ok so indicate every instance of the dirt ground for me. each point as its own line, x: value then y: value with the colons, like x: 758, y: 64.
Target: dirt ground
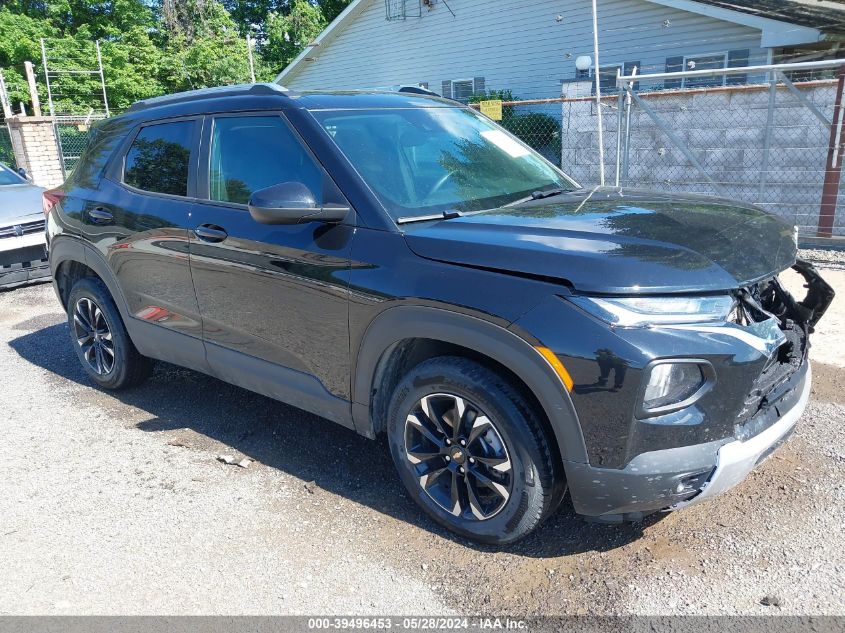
x: 117, y: 504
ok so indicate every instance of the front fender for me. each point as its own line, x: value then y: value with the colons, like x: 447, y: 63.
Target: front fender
x: 407, y: 322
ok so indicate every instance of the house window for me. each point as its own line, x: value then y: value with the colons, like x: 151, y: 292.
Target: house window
x: 607, y: 77
x: 462, y: 90
x: 705, y: 62
x: 609, y: 72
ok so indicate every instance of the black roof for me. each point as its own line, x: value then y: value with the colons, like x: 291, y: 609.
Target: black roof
x: 828, y: 16
x: 246, y: 97
x: 220, y: 92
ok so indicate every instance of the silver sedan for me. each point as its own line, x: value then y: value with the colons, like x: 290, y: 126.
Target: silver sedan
x: 23, y: 253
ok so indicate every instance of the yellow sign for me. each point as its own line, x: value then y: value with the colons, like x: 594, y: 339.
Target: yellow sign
x: 493, y: 109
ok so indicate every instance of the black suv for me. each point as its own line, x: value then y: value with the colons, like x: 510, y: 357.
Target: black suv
x: 400, y: 264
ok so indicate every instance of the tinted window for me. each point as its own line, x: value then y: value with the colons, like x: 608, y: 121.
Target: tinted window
x: 159, y: 157
x: 253, y: 152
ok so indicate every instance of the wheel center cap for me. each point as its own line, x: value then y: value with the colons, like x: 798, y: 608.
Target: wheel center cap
x: 458, y: 454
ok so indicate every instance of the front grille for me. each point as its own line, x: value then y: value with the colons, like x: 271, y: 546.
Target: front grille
x: 25, y: 228
x: 23, y: 257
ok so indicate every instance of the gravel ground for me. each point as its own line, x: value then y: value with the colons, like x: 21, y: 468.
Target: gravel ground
x: 828, y: 257
x: 116, y: 504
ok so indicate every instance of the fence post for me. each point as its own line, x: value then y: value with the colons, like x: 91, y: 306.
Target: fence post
x: 833, y: 169
x: 619, y: 119
x: 628, y: 104
x: 767, y: 140
x: 597, y: 79
x: 36, y: 149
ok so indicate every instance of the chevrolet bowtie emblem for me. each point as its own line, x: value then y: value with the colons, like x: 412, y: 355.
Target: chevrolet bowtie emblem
x: 18, y: 230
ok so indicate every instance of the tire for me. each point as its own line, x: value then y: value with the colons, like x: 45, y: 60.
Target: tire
x: 106, y: 352
x: 508, y: 483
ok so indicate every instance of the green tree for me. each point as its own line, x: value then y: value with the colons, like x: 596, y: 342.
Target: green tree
x: 203, y: 48
x: 287, y: 35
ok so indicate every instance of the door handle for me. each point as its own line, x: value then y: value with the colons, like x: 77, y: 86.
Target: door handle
x: 211, y: 233
x: 99, y: 215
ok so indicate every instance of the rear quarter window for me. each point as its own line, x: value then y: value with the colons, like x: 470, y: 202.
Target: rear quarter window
x: 103, y: 140
x: 159, y: 158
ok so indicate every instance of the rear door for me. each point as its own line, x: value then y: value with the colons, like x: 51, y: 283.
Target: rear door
x: 139, y: 216
x: 273, y: 298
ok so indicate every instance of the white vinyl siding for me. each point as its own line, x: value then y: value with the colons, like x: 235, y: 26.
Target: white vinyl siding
x: 513, y: 45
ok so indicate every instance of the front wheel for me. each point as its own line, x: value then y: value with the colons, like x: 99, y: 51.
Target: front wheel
x: 471, y: 451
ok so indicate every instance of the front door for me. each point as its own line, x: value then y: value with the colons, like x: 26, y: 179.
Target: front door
x: 273, y: 298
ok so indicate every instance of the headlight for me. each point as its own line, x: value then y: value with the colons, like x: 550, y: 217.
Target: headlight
x: 674, y: 384
x: 642, y: 311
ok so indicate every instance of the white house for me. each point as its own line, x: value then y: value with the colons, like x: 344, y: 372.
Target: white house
x: 461, y: 47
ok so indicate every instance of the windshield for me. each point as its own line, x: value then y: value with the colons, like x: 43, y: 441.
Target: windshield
x: 429, y: 160
x: 8, y: 177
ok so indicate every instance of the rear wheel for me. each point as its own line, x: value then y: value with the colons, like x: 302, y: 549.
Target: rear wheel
x: 471, y: 451
x: 100, y: 339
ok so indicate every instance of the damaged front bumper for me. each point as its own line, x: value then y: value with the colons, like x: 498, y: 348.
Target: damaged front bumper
x: 677, y: 477
x: 735, y: 460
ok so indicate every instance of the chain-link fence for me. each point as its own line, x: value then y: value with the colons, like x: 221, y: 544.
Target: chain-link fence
x: 7, y: 154
x: 72, y: 134
x: 764, y: 143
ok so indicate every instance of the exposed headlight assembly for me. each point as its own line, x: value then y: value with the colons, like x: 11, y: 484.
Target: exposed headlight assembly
x: 644, y: 311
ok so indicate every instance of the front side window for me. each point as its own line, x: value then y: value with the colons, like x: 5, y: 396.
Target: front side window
x: 427, y: 160
x: 249, y: 153
x: 159, y: 158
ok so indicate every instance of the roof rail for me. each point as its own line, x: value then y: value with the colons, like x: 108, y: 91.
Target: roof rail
x: 211, y: 93
x: 418, y: 90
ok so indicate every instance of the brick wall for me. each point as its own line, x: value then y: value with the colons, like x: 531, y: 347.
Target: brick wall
x: 36, y: 149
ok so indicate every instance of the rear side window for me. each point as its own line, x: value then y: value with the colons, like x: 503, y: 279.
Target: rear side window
x: 253, y: 152
x: 159, y: 158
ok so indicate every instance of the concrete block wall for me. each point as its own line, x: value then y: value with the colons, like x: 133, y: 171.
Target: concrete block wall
x: 726, y: 131
x: 36, y: 149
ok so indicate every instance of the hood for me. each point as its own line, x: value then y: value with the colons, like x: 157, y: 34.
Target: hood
x: 19, y: 204
x: 618, y: 241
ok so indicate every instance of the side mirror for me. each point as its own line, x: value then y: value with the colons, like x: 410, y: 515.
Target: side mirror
x: 291, y: 203
x: 22, y: 173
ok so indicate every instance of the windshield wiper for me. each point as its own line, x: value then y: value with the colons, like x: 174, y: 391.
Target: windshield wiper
x: 538, y: 195
x: 443, y: 215
x: 548, y: 193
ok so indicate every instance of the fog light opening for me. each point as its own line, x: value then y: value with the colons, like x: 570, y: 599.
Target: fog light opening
x: 671, y: 385
x: 693, y: 483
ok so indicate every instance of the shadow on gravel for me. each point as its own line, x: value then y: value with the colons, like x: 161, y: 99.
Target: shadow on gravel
x: 306, y: 446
